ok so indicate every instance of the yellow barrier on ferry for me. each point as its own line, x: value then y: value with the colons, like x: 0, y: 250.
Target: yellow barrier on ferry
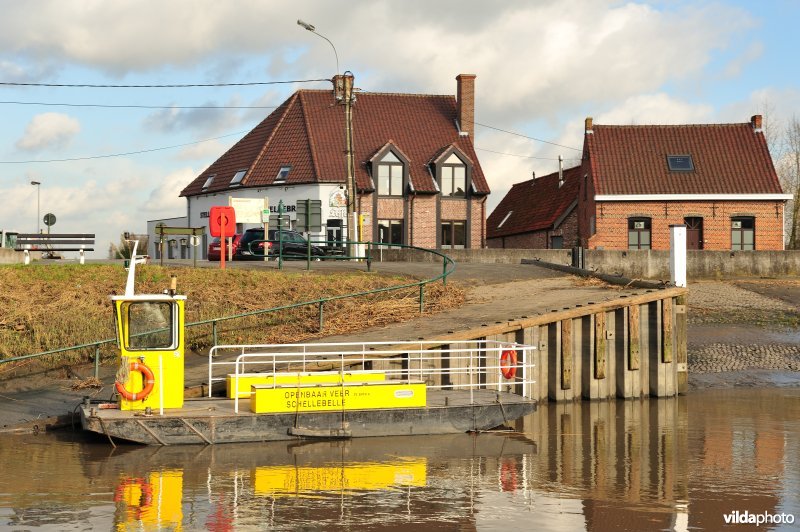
x: 347, y: 396
x: 247, y: 380
x: 300, y: 480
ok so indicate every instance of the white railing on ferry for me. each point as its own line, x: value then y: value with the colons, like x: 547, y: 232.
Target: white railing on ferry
x: 459, y: 364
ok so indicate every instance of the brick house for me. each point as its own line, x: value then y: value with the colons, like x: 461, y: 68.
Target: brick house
x: 417, y: 176
x: 717, y: 179
x: 539, y: 213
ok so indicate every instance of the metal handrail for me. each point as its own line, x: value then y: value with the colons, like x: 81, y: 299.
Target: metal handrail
x: 446, y: 261
x: 292, y: 358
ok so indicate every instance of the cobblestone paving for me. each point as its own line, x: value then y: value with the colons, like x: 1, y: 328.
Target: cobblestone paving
x: 716, y: 358
x: 750, y: 322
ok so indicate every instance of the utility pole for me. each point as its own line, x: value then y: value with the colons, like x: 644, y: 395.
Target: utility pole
x: 343, y: 94
x: 346, y: 94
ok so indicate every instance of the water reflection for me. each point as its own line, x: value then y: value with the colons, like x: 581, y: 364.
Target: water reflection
x: 670, y: 464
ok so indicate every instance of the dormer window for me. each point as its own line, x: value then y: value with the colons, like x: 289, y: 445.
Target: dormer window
x: 209, y: 181
x: 680, y: 163
x: 237, y: 178
x: 454, y: 177
x: 282, y: 173
x: 390, y: 175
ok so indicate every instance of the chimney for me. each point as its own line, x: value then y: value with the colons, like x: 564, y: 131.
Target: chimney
x: 560, y: 171
x: 465, y: 103
x: 755, y: 121
x: 589, y: 125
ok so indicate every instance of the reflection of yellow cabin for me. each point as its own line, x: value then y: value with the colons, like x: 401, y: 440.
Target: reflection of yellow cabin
x: 300, y: 480
x: 151, y: 503
x: 149, y: 331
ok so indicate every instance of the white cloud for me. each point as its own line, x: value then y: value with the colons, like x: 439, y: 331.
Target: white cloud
x: 164, y: 200
x: 48, y: 130
x: 735, y: 67
x: 207, y: 151
x: 208, y: 118
x: 655, y: 109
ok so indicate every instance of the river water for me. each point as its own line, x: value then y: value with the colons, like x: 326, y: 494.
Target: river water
x: 666, y: 464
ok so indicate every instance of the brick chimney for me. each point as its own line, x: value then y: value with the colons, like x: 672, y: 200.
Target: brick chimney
x: 465, y: 102
x: 589, y: 125
x: 755, y: 121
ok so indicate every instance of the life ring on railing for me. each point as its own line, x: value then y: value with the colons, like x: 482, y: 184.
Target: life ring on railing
x: 508, y: 363
x: 149, y: 382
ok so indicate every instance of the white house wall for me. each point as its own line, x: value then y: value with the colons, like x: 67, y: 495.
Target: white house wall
x: 198, y: 207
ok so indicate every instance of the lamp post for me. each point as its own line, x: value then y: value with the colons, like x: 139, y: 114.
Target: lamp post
x: 37, y: 184
x: 343, y: 93
x: 312, y: 29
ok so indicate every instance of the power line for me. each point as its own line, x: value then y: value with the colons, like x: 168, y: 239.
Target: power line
x: 111, y: 106
x: 525, y: 156
x: 528, y: 137
x: 167, y: 86
x: 110, y: 155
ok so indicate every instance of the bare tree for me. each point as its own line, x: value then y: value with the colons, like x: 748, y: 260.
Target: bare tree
x: 788, y: 167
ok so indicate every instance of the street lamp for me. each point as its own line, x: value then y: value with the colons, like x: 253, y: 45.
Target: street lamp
x: 38, y: 203
x: 312, y: 29
x: 343, y: 93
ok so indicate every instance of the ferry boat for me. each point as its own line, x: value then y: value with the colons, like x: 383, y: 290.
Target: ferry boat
x: 299, y: 391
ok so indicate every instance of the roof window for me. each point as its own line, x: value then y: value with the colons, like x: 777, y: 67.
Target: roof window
x: 237, y: 178
x: 209, y: 181
x: 505, y: 219
x: 680, y: 163
x: 282, y: 173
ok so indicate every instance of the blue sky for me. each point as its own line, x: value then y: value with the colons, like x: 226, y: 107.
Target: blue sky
x: 542, y: 68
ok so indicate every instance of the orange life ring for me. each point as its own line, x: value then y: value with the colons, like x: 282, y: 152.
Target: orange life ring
x: 149, y: 382
x: 508, y: 363
x: 146, y: 497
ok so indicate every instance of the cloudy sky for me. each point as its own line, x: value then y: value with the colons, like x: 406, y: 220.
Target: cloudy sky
x: 109, y: 159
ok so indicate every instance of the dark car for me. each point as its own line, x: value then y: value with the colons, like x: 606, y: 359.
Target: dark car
x: 294, y: 245
x: 214, y: 247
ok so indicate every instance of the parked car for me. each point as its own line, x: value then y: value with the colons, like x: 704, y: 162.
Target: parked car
x: 214, y: 247
x: 295, y: 246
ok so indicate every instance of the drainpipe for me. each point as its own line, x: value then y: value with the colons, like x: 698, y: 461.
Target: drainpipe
x: 411, y: 220
x: 483, y: 222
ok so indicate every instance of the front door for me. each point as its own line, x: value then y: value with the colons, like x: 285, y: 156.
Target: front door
x: 694, y: 232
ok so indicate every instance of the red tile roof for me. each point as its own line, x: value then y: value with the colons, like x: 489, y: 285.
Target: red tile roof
x: 308, y: 132
x: 728, y: 159
x: 534, y: 204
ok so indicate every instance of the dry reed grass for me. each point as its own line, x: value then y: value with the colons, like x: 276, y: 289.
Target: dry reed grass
x: 46, y: 307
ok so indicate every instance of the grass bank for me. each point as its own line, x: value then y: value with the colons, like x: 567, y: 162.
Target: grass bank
x: 44, y: 307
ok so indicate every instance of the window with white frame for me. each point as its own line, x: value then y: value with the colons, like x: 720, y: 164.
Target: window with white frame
x: 237, y: 178
x: 282, y: 173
